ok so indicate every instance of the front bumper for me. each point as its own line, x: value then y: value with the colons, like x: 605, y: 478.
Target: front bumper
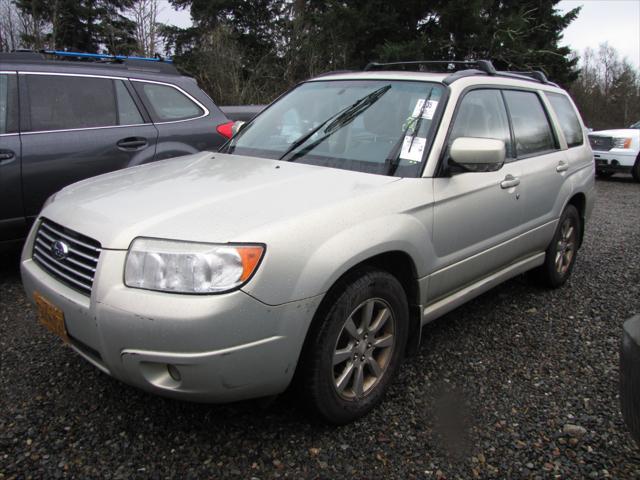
x: 615, y: 160
x: 224, y: 347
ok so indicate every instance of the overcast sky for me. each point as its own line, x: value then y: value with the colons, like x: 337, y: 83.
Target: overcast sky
x: 599, y: 21
x: 613, y: 21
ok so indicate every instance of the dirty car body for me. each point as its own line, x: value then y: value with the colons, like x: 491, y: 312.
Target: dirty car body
x: 314, y: 212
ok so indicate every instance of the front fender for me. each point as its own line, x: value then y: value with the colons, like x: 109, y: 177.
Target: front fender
x: 314, y: 272
x: 350, y: 247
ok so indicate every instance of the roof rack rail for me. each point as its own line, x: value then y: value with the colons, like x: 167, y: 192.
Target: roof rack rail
x: 535, y: 74
x: 332, y: 72
x: 449, y: 79
x: 141, y: 64
x: 462, y: 68
x: 104, y: 56
x: 484, y: 66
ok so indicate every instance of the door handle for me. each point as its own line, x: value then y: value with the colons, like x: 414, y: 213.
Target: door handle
x: 6, y: 156
x: 509, y: 182
x: 562, y: 166
x: 132, y: 143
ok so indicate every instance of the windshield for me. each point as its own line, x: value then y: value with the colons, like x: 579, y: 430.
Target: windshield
x: 374, y: 126
x: 635, y: 125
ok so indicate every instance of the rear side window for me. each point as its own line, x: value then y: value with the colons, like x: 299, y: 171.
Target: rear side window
x: 481, y: 114
x: 63, y: 102
x: 60, y: 102
x: 531, y: 127
x: 8, y: 104
x: 568, y: 119
x: 168, y: 103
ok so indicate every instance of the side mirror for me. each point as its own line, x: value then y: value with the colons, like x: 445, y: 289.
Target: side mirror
x: 478, y: 154
x: 237, y: 126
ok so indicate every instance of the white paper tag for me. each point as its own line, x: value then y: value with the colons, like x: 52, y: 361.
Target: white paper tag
x: 413, y: 151
x: 429, y: 110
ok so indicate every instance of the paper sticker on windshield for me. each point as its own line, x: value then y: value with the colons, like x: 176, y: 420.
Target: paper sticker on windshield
x: 428, y: 111
x: 412, y: 148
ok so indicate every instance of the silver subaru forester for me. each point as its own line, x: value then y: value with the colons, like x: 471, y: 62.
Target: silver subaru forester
x: 352, y: 211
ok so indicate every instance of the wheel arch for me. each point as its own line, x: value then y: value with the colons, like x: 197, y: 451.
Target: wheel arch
x: 579, y: 201
x: 395, y: 262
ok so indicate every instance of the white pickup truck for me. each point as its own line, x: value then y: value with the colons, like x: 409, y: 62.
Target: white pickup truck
x: 617, y: 151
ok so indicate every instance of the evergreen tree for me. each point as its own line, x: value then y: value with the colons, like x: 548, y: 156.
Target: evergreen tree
x: 84, y: 26
x: 284, y: 41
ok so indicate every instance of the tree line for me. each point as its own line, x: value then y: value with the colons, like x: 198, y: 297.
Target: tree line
x: 123, y: 27
x: 244, y: 51
x: 607, y: 90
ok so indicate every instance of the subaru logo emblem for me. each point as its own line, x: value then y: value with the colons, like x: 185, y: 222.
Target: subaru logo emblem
x: 60, y: 250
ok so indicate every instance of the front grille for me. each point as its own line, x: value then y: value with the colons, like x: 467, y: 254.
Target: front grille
x: 67, y: 255
x: 600, y: 143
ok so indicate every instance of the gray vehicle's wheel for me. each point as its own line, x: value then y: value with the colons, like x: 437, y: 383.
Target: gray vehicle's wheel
x: 635, y: 171
x: 630, y: 375
x: 562, y: 251
x: 355, y: 345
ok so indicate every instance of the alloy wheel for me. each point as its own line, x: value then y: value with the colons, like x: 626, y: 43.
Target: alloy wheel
x: 566, y: 247
x: 364, y: 349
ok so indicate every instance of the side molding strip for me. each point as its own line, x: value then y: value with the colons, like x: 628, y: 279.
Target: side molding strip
x: 439, y: 308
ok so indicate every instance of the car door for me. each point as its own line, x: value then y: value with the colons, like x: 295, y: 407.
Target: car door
x: 477, y: 215
x: 544, y: 166
x: 12, y: 223
x: 75, y: 127
x: 185, y: 124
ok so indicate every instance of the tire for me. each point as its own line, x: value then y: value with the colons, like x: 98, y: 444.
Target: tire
x: 339, y: 376
x: 562, y: 251
x: 635, y: 171
x: 604, y: 175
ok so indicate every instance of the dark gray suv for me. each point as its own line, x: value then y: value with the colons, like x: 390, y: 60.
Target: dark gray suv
x: 65, y: 120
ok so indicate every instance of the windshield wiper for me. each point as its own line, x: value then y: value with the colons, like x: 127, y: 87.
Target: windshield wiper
x: 338, y: 120
x: 393, y: 160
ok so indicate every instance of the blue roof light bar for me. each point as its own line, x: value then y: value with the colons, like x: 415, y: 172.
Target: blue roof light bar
x: 102, y: 56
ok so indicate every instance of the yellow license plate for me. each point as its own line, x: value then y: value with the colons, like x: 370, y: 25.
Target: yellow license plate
x: 50, y: 316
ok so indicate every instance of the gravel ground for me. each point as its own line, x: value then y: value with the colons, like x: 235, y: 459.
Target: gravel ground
x: 493, y: 392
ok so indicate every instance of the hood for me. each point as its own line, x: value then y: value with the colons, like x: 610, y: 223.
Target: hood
x: 621, y: 132
x: 205, y: 197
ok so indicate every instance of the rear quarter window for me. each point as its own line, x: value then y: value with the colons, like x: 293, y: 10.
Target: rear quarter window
x: 167, y: 103
x: 567, y: 117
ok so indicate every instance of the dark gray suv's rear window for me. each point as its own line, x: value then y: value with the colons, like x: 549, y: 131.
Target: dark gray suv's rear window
x: 568, y: 119
x: 168, y: 103
x: 62, y: 102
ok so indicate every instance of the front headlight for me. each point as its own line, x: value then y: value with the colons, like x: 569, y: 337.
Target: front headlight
x: 622, y: 142
x: 188, y: 267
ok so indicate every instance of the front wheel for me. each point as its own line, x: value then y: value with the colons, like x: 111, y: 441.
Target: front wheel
x: 562, y: 251
x: 356, y: 345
